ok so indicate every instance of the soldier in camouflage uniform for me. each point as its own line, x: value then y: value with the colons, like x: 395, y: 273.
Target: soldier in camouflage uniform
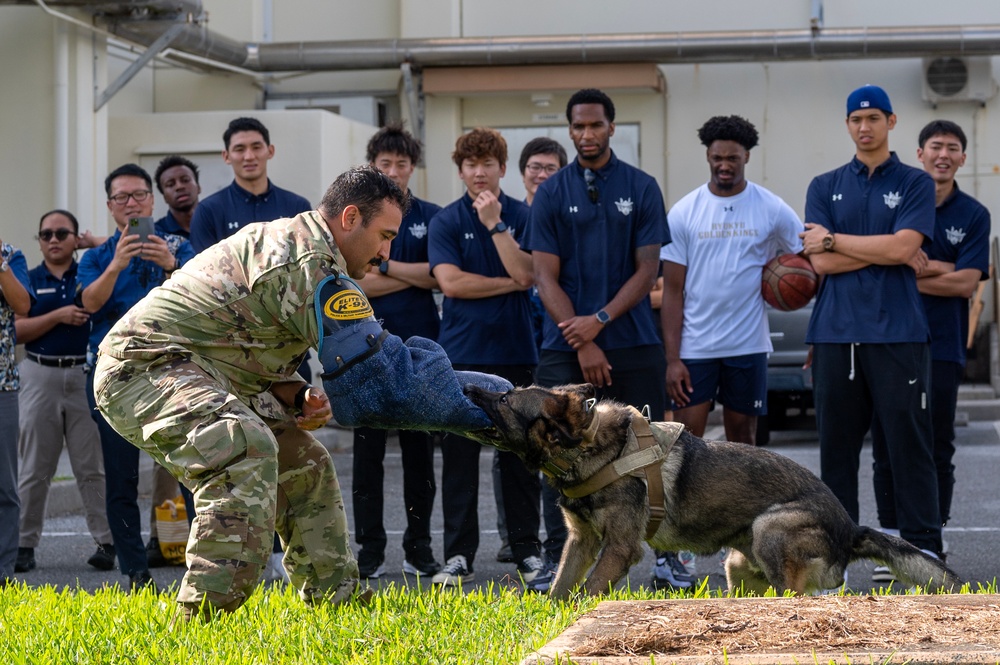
x: 201, y: 375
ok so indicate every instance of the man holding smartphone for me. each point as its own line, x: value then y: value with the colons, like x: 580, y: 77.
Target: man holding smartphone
x: 114, y: 277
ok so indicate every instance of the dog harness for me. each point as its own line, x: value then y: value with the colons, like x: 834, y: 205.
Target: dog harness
x: 644, y: 452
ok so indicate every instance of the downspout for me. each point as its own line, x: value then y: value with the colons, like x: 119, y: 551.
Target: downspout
x: 60, y: 94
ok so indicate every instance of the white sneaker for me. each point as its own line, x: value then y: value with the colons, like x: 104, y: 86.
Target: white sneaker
x: 275, y: 571
x: 455, y: 572
x: 882, y: 575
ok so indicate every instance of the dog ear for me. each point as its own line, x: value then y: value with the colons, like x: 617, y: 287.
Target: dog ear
x: 586, y: 390
x: 560, y: 413
x: 558, y: 435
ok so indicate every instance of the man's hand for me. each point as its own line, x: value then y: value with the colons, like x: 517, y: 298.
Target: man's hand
x: 86, y: 240
x: 594, y: 365
x: 155, y: 249
x: 919, y: 262
x: 812, y: 238
x: 315, y: 410
x: 128, y: 247
x: 580, y: 330
x: 488, y: 208
x: 679, y: 386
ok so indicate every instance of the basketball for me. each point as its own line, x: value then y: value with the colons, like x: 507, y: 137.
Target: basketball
x: 789, y: 282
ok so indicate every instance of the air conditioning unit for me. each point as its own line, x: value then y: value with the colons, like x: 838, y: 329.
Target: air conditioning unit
x: 951, y: 79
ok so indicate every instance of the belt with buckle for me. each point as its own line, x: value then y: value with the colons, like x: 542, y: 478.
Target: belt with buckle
x: 56, y: 361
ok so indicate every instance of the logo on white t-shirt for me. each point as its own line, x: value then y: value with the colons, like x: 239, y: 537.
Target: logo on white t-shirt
x: 624, y: 206
x: 892, y: 199
x: 954, y: 235
x: 418, y: 231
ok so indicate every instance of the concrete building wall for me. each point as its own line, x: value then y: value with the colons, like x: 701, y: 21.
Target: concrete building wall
x: 59, y: 151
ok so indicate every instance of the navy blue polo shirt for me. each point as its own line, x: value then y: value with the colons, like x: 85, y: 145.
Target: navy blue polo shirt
x: 483, y: 331
x: 962, y: 237
x: 876, y: 304
x: 168, y: 224
x: 52, y: 293
x: 411, y: 311
x: 228, y: 210
x: 596, y: 243
x: 132, y: 285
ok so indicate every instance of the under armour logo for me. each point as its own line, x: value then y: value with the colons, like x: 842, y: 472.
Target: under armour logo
x: 233, y: 225
x: 727, y: 208
x: 470, y: 236
x: 838, y: 197
x: 758, y: 404
x: 574, y: 209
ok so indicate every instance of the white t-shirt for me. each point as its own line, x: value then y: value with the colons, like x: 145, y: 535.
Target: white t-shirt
x: 725, y: 242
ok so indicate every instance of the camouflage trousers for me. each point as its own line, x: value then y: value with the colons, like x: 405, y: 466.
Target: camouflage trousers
x: 250, y: 477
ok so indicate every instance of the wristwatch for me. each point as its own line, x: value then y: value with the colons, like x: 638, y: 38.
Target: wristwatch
x: 384, y: 267
x: 603, y: 317
x: 499, y: 228
x: 829, y: 241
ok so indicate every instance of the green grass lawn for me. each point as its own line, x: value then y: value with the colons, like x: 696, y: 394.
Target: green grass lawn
x: 42, y: 626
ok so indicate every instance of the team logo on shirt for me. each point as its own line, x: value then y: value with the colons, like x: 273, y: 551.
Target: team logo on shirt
x: 624, y: 206
x: 419, y: 231
x: 892, y: 199
x: 954, y: 235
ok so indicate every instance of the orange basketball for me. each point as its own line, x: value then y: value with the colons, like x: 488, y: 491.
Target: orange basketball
x: 789, y: 282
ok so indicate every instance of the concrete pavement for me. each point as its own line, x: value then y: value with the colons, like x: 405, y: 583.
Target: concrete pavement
x: 973, y: 534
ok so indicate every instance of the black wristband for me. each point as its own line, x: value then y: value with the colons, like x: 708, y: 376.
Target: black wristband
x: 300, y: 397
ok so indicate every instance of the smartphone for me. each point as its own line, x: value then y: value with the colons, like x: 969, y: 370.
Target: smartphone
x: 143, y: 227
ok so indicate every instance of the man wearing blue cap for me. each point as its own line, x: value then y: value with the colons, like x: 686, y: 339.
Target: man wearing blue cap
x: 865, y: 223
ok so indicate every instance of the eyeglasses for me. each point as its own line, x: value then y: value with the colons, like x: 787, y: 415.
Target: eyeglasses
x: 60, y: 234
x: 592, y: 192
x: 138, y: 196
x: 534, y: 168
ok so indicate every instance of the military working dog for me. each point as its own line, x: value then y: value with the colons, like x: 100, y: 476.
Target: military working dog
x: 784, y: 528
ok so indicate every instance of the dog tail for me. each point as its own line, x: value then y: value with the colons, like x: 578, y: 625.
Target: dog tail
x: 907, y: 563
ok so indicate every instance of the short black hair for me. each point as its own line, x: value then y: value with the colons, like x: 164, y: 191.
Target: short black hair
x: 590, y: 96
x: 728, y: 128
x: 394, y: 139
x: 127, y: 169
x: 938, y: 127
x: 66, y: 213
x: 169, y: 162
x: 542, y: 145
x: 245, y: 125
x: 365, y: 187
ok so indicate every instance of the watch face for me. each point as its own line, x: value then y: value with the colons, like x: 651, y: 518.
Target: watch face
x: 603, y: 316
x: 827, y: 242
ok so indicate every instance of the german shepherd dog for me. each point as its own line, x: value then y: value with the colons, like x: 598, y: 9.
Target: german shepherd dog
x: 782, y: 525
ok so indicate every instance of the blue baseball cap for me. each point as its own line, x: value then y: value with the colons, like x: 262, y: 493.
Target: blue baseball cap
x: 868, y: 97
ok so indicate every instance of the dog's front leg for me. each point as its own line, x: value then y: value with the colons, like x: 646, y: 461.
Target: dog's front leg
x: 579, y: 553
x: 614, y: 562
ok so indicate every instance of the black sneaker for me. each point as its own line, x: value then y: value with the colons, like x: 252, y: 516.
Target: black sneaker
x: 154, y: 555
x: 103, y: 558
x: 504, y: 554
x: 140, y: 581
x: 25, y: 559
x: 420, y: 564
x: 370, y: 566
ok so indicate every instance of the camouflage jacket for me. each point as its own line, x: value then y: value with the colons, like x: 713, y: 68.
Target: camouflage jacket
x: 242, y: 310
